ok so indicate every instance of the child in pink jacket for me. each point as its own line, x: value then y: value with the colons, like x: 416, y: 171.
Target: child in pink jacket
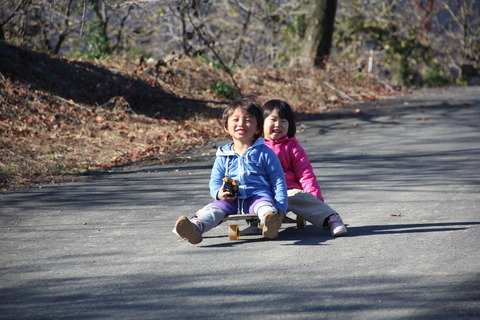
x: 304, y: 194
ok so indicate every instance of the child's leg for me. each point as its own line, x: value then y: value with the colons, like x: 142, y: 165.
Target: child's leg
x: 269, y: 218
x: 336, y: 225
x: 211, y: 216
x: 309, y: 207
x: 192, y: 229
x: 186, y: 229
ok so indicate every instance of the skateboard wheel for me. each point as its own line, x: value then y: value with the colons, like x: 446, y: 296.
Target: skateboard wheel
x: 301, y: 223
x: 233, y: 232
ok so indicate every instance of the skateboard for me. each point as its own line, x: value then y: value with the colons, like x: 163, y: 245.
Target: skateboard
x: 253, y: 222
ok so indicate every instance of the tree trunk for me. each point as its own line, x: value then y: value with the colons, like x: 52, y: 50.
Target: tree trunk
x: 2, y: 34
x: 317, y: 41
x: 65, y: 30
x: 101, y: 12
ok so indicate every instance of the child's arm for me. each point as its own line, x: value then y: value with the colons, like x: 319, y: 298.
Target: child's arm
x: 303, y: 170
x: 216, y: 182
x: 277, y: 178
x: 216, y: 176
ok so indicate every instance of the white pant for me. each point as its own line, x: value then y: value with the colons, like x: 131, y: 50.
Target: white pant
x: 309, y: 207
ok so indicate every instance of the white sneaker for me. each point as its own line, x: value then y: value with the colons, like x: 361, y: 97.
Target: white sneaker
x: 336, y: 225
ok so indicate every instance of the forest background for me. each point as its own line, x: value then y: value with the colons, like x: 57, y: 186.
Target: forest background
x: 87, y: 85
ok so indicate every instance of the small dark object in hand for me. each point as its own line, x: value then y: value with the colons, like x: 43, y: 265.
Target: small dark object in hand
x: 230, y: 185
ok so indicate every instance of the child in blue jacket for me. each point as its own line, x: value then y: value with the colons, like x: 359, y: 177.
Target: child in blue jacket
x: 262, y: 189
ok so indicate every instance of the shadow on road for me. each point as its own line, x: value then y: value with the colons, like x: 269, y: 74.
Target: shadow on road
x: 156, y: 296
x: 312, y: 236
x: 408, y: 228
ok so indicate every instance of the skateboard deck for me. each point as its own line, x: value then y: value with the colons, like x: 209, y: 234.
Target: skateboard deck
x: 253, y: 222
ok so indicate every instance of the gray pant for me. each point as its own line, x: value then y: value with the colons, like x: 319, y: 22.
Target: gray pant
x: 210, y: 216
x: 309, y: 207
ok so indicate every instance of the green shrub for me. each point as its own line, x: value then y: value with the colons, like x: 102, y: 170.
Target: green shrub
x: 223, y: 89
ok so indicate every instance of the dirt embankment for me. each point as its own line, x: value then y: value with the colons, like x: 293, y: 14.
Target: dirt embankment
x: 60, y: 118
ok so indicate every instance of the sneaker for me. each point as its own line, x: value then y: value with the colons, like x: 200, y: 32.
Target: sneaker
x: 187, y: 230
x: 272, y: 224
x: 336, y: 225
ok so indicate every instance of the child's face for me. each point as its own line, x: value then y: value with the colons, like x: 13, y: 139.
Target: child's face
x: 274, y: 127
x: 242, y: 126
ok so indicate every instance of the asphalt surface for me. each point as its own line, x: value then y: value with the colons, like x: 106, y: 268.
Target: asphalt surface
x: 404, y: 174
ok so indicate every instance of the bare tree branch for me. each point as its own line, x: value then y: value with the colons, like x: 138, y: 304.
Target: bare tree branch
x: 220, y: 60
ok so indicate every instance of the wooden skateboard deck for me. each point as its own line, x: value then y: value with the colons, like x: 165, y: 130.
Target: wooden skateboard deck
x: 253, y: 228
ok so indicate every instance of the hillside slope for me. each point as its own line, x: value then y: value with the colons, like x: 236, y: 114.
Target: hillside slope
x: 60, y: 118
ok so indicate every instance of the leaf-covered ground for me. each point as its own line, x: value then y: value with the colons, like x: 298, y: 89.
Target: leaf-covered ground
x: 60, y: 119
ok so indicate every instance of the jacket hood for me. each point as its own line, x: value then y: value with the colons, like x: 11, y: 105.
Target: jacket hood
x: 226, y: 150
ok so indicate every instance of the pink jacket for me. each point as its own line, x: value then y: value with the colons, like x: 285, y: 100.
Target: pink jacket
x: 296, y: 165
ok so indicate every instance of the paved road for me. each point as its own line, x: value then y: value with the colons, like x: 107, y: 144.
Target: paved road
x: 404, y: 174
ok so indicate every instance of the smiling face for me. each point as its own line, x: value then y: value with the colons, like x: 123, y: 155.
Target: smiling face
x: 242, y: 126
x: 274, y: 127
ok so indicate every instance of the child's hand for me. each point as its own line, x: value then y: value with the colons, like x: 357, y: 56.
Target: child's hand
x: 228, y: 190
x: 225, y: 195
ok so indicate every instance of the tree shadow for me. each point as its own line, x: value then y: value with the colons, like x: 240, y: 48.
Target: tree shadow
x: 87, y: 83
x: 459, y: 111
x: 235, y: 294
x: 408, y: 228
x: 312, y: 236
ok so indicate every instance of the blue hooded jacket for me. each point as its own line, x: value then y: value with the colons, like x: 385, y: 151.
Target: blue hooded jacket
x: 258, y: 171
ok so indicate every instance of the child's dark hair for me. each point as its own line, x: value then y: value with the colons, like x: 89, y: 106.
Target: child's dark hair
x: 249, y: 106
x: 284, y: 112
